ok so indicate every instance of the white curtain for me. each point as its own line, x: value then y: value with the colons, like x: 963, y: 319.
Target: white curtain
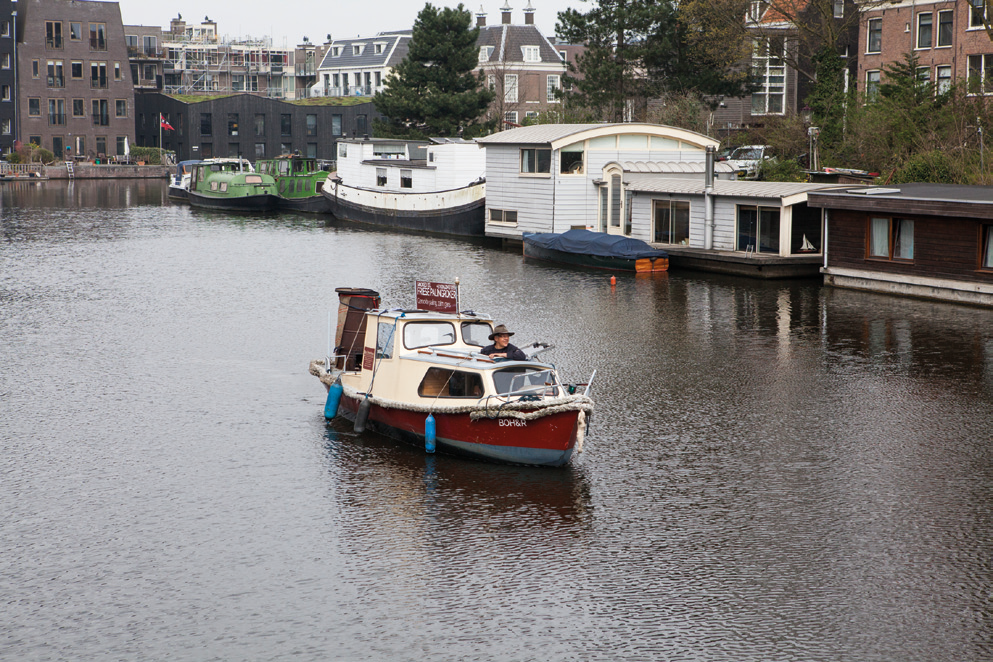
x: 880, y: 239
x: 903, y: 247
x: 988, y: 258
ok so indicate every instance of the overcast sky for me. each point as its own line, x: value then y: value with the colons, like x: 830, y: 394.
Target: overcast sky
x: 288, y: 21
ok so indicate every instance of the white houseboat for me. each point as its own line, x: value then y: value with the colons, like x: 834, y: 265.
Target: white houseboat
x: 437, y: 186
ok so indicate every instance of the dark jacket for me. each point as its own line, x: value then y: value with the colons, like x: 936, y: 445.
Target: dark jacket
x: 513, y: 352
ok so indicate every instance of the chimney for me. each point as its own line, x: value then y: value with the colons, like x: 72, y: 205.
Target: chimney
x: 505, y: 13
x: 529, y: 14
x: 481, y: 18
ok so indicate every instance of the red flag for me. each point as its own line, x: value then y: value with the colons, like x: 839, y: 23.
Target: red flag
x: 165, y: 125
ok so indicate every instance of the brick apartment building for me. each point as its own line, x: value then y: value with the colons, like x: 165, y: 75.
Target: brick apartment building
x: 74, y: 90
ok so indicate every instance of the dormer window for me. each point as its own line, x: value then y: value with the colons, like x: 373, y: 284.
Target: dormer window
x: 531, y: 53
x: 756, y: 9
x: 335, y: 51
x: 484, y: 53
x: 379, y: 48
x: 357, y: 49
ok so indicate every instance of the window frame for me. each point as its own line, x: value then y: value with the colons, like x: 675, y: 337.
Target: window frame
x: 874, y: 29
x: 950, y: 31
x: 550, y: 88
x: 540, y: 157
x: 894, y: 225
x: 502, y: 217
x: 508, y: 88
x: 986, y: 248
x: 919, y: 33
x: 411, y: 325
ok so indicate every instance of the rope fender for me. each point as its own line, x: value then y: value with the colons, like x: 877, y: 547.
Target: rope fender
x: 521, y: 410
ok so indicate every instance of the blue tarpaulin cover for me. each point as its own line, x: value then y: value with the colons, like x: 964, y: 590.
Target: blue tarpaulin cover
x: 584, y: 242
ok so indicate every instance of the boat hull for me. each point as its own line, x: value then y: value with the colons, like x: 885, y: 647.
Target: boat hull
x: 643, y: 265
x: 261, y: 202
x: 422, y: 212
x: 315, y: 204
x: 179, y: 194
x: 547, y: 441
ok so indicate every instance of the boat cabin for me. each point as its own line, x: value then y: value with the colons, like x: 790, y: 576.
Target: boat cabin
x: 410, y: 166
x: 419, y: 357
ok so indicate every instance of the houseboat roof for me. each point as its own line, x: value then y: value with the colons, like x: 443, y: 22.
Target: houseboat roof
x: 913, y: 198
x: 652, y: 183
x: 560, y: 135
x: 682, y: 167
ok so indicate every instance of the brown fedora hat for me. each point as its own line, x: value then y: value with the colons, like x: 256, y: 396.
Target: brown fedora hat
x: 500, y: 328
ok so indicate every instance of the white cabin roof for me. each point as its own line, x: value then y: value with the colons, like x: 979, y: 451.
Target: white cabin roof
x: 559, y: 135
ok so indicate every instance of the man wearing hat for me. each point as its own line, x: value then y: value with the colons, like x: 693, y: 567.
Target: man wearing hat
x: 501, y: 347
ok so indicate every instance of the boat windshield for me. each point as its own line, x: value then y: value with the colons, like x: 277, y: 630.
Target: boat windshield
x: 476, y: 333
x: 426, y: 334
x: 520, y: 380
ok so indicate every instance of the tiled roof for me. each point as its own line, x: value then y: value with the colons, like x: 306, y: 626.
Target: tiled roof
x: 508, y: 43
x: 394, y: 49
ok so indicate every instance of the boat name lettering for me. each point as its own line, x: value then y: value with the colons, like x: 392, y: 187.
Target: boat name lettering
x: 513, y: 422
x: 439, y: 297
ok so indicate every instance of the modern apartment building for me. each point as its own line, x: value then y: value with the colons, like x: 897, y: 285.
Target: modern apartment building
x: 74, y: 94
x: 8, y: 78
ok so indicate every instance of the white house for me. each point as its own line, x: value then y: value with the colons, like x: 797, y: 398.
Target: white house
x: 359, y: 67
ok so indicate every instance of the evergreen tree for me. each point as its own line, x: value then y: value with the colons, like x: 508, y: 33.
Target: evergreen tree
x: 433, y: 92
x: 640, y: 49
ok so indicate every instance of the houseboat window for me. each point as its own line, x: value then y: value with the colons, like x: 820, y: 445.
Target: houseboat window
x: 536, y: 161
x: 406, y: 179
x: 342, y: 150
x: 380, y: 176
x: 603, y: 208
x: 476, y: 333
x: 615, y: 201
x: 253, y: 179
x: 384, y: 340
x: 224, y: 187
x: 503, y: 216
x: 672, y: 222
x: 628, y: 199
x: 891, y: 239
x: 442, y: 383
x: 987, y: 261
x: 758, y: 229
x: 524, y: 381
x: 571, y: 158
x: 426, y: 334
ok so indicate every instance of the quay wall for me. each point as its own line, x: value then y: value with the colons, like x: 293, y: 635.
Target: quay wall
x: 110, y: 171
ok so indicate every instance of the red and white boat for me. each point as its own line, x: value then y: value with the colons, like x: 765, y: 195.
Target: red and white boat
x: 418, y: 376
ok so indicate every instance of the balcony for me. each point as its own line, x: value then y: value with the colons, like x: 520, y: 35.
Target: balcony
x: 56, y: 81
x: 56, y: 119
x: 101, y: 119
x: 98, y: 44
x: 350, y: 91
x: 54, y: 43
x: 99, y: 82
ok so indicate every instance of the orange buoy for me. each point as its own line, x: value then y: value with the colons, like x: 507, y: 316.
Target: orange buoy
x: 613, y: 281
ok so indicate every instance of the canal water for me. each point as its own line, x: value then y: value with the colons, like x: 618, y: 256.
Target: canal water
x: 775, y: 471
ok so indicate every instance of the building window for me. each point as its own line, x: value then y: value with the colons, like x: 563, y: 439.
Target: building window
x: 491, y: 82
x: 571, y: 158
x: 357, y: 49
x: 530, y: 115
x: 986, y: 258
x: 5, y: 92
x: 311, y: 150
x: 98, y: 36
x: 148, y: 45
x: 121, y: 108
x: 531, y: 53
x: 78, y: 108
x: 769, y: 74
x: 5, y: 127
x: 891, y: 239
x: 285, y: 124
x: 536, y: 161
x: 362, y: 124
x: 943, y: 74
x: 758, y: 229
x: 34, y: 69
x: 380, y: 176
x: 871, y: 85
x: 336, y: 125
x: 98, y: 75
x: 923, y: 76
x: 552, y: 88
x: 238, y: 83
x: 285, y: 148
x: 80, y: 145
x: 53, y: 35
x: 76, y: 31
x: 206, y: 126
x: 406, y: 179
x: 510, y: 117
x: 233, y: 124
x: 839, y: 8
x: 34, y: 107
x: 875, y: 43
x: 671, y: 222
x: 506, y: 216
x: 120, y: 145
x: 101, y: 112
x: 101, y: 142
x: 259, y: 125
x: 945, y: 25
x: 311, y: 125
x: 56, y: 112
x: 7, y: 59
x: 234, y: 150
x: 76, y: 69
x: 510, y: 88
x: 379, y: 49
x: 977, y: 13
x: 56, y: 75
x: 924, y: 29
x: 260, y: 150
x: 981, y: 74
x: 484, y: 53
x: 117, y: 71
x: 335, y: 51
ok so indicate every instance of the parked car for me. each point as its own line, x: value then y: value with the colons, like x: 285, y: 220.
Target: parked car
x: 746, y: 160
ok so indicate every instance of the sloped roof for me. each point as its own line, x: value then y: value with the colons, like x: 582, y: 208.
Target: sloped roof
x: 673, y: 167
x: 508, y: 42
x: 558, y: 135
x: 395, y: 47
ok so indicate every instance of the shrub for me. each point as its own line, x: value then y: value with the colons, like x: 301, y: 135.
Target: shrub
x: 930, y: 167
x: 782, y: 170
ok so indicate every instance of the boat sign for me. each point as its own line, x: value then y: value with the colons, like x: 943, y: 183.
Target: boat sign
x: 439, y: 297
